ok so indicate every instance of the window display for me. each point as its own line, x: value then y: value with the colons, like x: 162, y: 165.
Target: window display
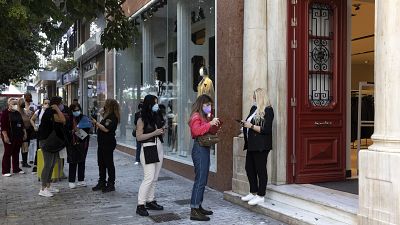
x: 151, y: 66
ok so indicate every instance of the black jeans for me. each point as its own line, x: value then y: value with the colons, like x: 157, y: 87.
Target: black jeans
x: 256, y: 170
x: 72, y: 171
x: 105, y: 160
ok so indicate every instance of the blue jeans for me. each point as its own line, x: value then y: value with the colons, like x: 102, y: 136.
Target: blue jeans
x: 138, y: 147
x: 201, y: 161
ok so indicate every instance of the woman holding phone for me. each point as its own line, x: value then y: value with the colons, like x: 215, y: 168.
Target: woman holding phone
x: 106, y: 145
x: 257, y: 129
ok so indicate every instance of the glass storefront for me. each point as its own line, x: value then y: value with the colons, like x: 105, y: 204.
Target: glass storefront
x: 94, y: 86
x: 176, y: 39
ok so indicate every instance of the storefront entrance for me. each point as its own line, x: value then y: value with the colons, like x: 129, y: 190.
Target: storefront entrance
x: 317, y: 91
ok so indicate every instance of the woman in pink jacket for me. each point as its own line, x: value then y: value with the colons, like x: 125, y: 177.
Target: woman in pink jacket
x: 200, y: 124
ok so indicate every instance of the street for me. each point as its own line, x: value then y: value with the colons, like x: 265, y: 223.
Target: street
x: 21, y: 204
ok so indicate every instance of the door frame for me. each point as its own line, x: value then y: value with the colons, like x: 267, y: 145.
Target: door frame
x: 293, y: 30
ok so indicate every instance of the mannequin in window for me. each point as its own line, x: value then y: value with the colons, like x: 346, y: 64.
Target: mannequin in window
x: 206, y: 85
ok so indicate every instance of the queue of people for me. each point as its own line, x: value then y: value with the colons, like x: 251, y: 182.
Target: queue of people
x: 60, y: 127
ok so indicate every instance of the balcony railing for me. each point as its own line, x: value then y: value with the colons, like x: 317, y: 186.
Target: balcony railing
x: 89, y: 46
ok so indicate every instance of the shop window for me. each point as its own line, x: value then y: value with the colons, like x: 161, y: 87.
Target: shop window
x: 197, y: 63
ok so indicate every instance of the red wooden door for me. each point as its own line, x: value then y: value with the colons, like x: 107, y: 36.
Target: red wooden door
x: 317, y: 91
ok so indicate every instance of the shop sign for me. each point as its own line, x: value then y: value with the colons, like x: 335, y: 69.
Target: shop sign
x: 70, y: 76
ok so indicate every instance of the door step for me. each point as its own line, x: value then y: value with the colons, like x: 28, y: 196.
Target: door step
x: 304, y: 205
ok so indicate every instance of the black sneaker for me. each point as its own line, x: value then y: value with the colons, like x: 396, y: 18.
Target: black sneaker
x: 205, y: 212
x: 141, y: 210
x: 99, y: 187
x: 154, y: 206
x: 195, y: 214
x: 34, y: 169
x: 26, y: 165
x: 109, y: 188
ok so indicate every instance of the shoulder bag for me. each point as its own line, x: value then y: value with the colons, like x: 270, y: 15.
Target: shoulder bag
x: 150, y: 152
x: 208, y: 140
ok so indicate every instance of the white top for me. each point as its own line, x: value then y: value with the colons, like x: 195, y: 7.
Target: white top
x: 39, y: 117
x: 249, y: 120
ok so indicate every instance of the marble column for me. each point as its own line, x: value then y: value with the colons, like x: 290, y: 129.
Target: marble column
x: 254, y: 50
x: 379, y: 180
x: 254, y: 76
x: 147, y: 53
x: 277, y: 86
x: 183, y: 74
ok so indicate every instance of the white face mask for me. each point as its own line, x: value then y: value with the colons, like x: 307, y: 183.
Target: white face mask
x: 15, y: 107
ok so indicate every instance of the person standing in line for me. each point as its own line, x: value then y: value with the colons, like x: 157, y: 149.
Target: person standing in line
x: 149, y: 131
x: 30, y: 108
x: 52, y: 119
x: 257, y: 129
x: 77, y: 157
x: 138, y: 144
x: 26, y: 117
x: 200, y: 125
x: 37, y: 117
x: 12, y: 134
x: 106, y: 145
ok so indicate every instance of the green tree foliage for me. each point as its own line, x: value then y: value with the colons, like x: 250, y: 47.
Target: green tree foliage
x: 61, y: 65
x: 23, y: 23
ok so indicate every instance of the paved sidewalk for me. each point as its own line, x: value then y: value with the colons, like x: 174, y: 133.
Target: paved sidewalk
x: 20, y: 203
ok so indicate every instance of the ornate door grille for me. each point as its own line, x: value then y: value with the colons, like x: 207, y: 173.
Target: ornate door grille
x: 320, y: 54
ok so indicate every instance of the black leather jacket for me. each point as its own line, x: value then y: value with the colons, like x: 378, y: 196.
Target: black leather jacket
x: 254, y: 141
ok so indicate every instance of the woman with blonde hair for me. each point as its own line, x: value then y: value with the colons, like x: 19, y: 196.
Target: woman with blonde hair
x: 106, y: 145
x: 257, y: 129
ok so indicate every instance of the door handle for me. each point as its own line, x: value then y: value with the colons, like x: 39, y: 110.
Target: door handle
x: 324, y: 123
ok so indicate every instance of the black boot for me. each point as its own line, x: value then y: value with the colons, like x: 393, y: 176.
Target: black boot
x: 109, y: 188
x: 205, y: 212
x: 153, y: 206
x: 24, y: 164
x: 99, y: 187
x: 141, y: 210
x: 195, y: 214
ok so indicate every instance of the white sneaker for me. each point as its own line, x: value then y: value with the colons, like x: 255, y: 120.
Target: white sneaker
x: 81, y: 184
x: 21, y: 172
x: 136, y: 163
x: 248, y: 197
x: 72, y: 185
x: 45, y: 193
x: 53, y: 190
x: 7, y: 175
x: 256, y: 200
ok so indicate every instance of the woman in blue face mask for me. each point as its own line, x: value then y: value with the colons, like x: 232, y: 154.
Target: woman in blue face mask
x: 150, y: 131
x: 77, y: 155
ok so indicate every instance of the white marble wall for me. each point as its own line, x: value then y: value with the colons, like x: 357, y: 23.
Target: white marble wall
x: 379, y: 180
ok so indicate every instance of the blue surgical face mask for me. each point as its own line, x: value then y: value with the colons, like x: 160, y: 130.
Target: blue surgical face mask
x: 155, y: 108
x: 61, y: 107
x: 207, y: 109
x: 76, y: 113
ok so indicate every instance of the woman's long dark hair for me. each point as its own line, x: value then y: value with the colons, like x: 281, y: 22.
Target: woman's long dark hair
x: 197, y: 106
x: 147, y: 115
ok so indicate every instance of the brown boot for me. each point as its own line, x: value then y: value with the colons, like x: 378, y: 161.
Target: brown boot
x: 195, y: 214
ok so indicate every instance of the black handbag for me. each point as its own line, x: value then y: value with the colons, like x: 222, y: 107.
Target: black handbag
x: 53, y: 143
x: 151, y: 154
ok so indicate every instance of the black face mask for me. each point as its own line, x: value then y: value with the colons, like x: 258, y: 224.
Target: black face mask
x: 23, y: 105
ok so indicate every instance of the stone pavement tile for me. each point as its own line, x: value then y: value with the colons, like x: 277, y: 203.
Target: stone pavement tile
x: 21, y: 204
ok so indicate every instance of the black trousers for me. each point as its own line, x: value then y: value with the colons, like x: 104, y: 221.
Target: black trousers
x: 72, y: 171
x: 105, y: 160
x: 256, y: 170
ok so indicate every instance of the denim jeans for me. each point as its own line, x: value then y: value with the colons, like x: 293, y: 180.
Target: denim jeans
x: 138, y: 147
x: 201, y: 161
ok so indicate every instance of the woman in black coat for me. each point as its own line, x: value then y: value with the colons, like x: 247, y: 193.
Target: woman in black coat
x: 77, y: 154
x: 257, y: 129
